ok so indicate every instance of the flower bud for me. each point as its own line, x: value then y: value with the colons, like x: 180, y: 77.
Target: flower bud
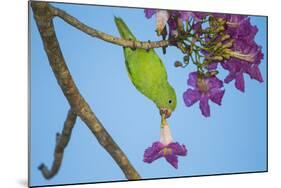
x: 212, y: 73
x: 178, y: 64
x: 228, y: 44
x: 186, y: 59
x: 226, y: 56
x: 219, y: 29
x: 215, y: 58
x: 225, y: 37
x: 217, y: 46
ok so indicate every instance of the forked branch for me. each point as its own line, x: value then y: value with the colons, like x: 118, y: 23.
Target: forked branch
x: 44, y: 21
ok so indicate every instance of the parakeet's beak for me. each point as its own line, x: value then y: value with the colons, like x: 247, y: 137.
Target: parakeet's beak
x: 166, y: 112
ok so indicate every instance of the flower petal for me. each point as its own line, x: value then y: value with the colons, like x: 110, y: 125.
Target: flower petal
x: 192, y: 79
x: 204, y: 106
x: 152, y: 153
x: 191, y: 96
x: 172, y: 159
x: 212, y: 66
x: 216, y: 96
x: 162, y: 17
x: 214, y: 82
x: 255, y: 73
x: 178, y: 149
x: 229, y: 78
x: 239, y: 82
x: 165, y: 135
x: 236, y: 18
x: 149, y: 13
x: 246, y: 30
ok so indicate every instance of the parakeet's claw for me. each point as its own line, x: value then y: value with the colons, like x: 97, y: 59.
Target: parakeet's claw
x: 166, y: 112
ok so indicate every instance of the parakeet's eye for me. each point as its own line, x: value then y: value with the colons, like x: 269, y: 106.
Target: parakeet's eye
x: 170, y: 101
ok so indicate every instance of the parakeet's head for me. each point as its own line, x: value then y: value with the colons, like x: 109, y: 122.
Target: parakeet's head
x: 167, y: 100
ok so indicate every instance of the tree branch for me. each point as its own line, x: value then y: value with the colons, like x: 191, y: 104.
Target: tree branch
x: 44, y: 21
x: 61, y: 143
x: 103, y: 36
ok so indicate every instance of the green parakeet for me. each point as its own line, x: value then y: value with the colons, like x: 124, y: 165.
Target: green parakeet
x: 148, y: 74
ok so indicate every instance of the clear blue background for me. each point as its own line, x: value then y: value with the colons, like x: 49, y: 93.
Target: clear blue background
x: 232, y: 140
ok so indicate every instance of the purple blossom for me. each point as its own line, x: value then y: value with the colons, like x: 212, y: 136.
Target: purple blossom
x: 240, y: 28
x: 204, y: 88
x: 238, y: 67
x: 246, y: 55
x: 165, y: 148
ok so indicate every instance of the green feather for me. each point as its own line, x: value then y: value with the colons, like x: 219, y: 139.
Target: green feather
x: 147, y: 72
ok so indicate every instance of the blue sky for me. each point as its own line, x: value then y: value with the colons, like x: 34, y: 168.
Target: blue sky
x: 233, y: 139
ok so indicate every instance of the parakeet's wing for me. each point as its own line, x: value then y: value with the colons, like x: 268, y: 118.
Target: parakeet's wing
x: 145, y: 68
x: 146, y: 71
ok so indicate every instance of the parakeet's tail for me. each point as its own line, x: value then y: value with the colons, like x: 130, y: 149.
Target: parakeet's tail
x: 123, y: 29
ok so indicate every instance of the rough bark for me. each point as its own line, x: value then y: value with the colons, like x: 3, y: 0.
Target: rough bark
x: 61, y: 143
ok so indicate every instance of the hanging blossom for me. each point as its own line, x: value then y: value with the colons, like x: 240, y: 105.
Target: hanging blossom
x: 204, y: 88
x: 165, y: 148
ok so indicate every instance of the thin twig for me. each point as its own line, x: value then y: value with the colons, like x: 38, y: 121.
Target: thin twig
x: 61, y: 142
x: 44, y: 21
x: 104, y: 36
